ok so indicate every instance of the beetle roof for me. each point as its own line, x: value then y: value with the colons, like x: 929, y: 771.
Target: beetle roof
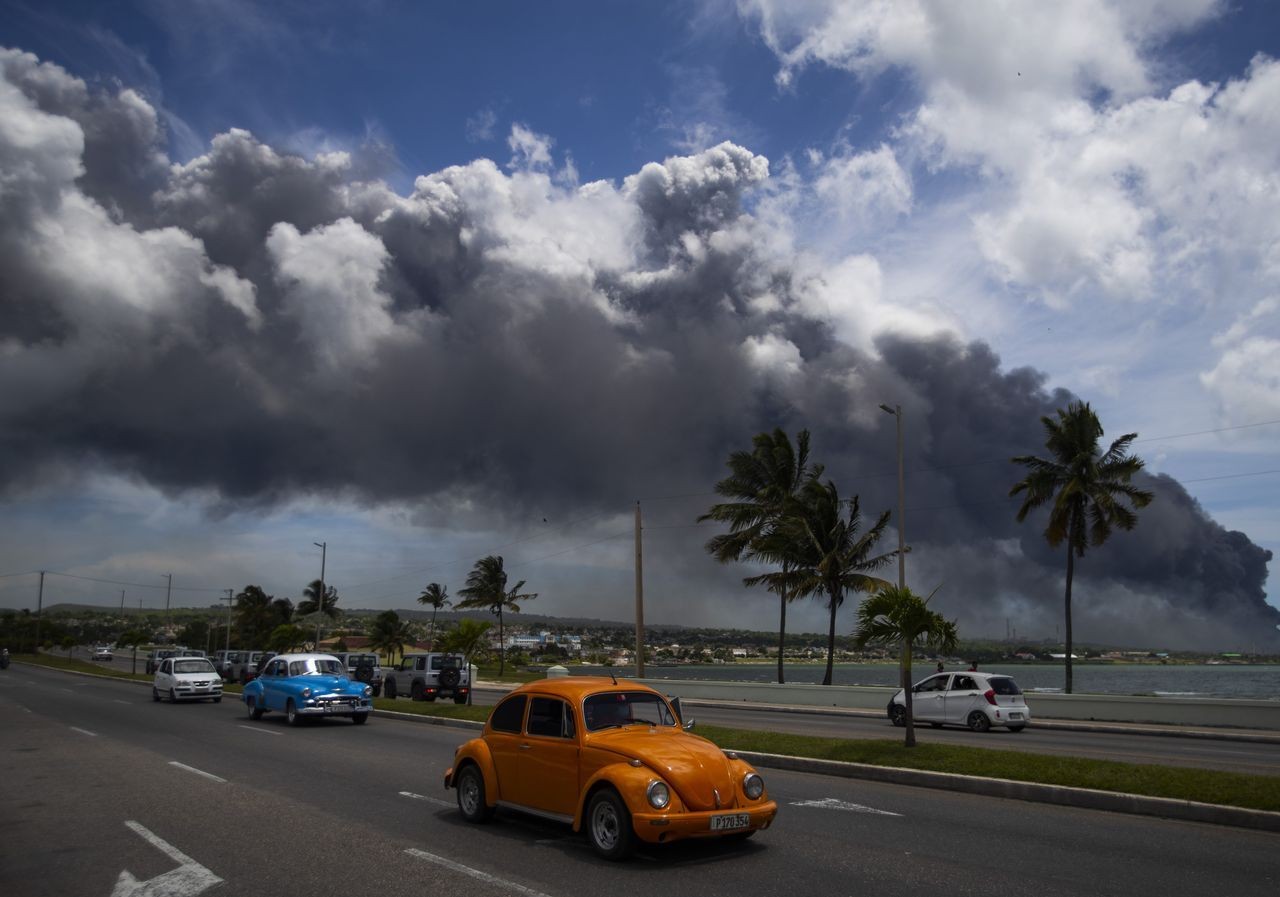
x: 574, y: 688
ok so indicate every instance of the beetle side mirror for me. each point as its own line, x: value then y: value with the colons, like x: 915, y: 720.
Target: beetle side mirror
x: 690, y: 724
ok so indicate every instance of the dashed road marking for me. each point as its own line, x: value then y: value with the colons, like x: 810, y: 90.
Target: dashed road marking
x: 199, y: 772
x: 831, y: 803
x: 474, y: 873
x: 260, y: 730
x: 430, y: 800
x: 84, y: 731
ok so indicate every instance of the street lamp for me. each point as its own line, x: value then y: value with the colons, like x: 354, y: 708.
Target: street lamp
x: 324, y: 550
x: 896, y: 411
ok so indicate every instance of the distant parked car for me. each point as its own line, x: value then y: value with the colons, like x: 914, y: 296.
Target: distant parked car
x: 366, y: 668
x: 303, y: 686
x: 973, y: 699
x: 425, y: 677
x: 612, y: 759
x: 155, y: 658
x: 186, y: 679
x: 101, y: 654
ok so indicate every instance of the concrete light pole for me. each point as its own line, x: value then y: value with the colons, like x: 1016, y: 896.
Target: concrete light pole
x: 324, y: 550
x: 168, y: 617
x: 896, y: 411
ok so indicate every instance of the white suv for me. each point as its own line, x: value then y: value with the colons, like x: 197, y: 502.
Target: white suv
x: 425, y: 677
x: 973, y: 699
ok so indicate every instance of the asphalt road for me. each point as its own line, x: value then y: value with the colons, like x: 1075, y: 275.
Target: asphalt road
x: 93, y: 801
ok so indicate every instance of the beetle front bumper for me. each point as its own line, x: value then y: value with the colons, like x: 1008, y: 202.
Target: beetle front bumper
x: 662, y: 828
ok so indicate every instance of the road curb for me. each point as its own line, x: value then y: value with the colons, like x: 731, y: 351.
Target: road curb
x: 1086, y: 798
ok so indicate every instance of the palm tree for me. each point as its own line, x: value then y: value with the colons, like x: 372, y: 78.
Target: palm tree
x: 315, y: 602
x: 1086, y: 486
x: 895, y: 615
x: 469, y: 638
x: 389, y: 634
x: 764, y: 484
x: 437, y: 596
x: 254, y: 615
x: 487, y: 588
x: 835, y: 558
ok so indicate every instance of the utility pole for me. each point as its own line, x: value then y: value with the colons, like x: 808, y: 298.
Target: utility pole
x: 324, y: 550
x: 229, y: 591
x: 896, y: 411
x: 639, y: 599
x: 39, y: 607
x: 168, y: 617
x: 122, y: 602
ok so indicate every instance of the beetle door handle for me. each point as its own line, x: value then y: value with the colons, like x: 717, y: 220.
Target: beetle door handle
x: 525, y: 747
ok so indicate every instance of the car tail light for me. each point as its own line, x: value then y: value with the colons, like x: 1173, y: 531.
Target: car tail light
x: 990, y: 695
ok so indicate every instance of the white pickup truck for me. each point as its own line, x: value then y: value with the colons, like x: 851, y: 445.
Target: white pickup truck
x: 425, y: 677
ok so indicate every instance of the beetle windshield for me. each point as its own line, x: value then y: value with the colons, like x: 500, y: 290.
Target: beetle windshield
x: 626, y: 708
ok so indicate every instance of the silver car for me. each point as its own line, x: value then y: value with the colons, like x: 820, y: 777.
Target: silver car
x: 969, y: 698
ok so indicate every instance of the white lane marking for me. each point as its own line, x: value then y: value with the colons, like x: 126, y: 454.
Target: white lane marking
x: 831, y: 803
x: 118, y: 701
x: 68, y: 691
x: 189, y: 879
x: 260, y: 730
x: 430, y: 800
x: 84, y: 731
x: 199, y: 772
x: 474, y: 873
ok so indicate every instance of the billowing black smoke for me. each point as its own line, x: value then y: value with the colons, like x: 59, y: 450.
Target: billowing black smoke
x: 264, y: 326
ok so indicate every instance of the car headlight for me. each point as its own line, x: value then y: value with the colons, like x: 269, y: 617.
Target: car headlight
x: 306, y: 692
x: 367, y: 691
x: 753, y: 786
x: 659, y: 795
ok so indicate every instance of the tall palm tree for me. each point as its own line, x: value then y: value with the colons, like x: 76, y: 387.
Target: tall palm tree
x: 487, y: 588
x: 763, y: 485
x: 897, y: 616
x: 437, y: 596
x: 836, y: 557
x: 325, y: 604
x: 1086, y: 487
x: 389, y: 634
x: 253, y: 615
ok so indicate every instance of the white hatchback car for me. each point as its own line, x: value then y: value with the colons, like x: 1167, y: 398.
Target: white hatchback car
x: 186, y: 679
x: 973, y: 699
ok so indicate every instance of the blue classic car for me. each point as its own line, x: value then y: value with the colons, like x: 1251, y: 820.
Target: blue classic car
x: 307, y: 685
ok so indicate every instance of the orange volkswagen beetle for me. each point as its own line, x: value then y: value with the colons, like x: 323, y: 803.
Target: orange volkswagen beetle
x: 611, y: 757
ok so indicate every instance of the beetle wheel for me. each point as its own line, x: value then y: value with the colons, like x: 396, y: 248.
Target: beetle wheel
x: 471, y: 805
x: 609, y: 825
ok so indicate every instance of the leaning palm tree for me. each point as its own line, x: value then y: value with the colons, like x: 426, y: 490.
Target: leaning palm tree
x: 487, y: 588
x: 319, y: 599
x: 437, y: 596
x: 1085, y: 486
x: 895, y: 616
x: 835, y: 556
x: 763, y: 485
x: 254, y: 618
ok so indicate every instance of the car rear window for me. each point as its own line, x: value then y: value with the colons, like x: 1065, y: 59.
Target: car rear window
x: 1003, y: 685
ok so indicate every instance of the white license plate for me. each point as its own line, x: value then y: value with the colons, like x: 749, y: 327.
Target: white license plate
x: 1015, y: 716
x: 729, y: 821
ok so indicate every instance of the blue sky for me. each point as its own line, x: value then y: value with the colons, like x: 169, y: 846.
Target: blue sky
x: 1087, y: 189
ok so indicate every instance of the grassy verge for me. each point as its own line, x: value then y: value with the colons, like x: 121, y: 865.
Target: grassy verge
x: 1203, y: 785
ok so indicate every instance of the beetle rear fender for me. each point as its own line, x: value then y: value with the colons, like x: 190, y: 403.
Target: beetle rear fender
x: 476, y: 753
x: 629, y: 781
